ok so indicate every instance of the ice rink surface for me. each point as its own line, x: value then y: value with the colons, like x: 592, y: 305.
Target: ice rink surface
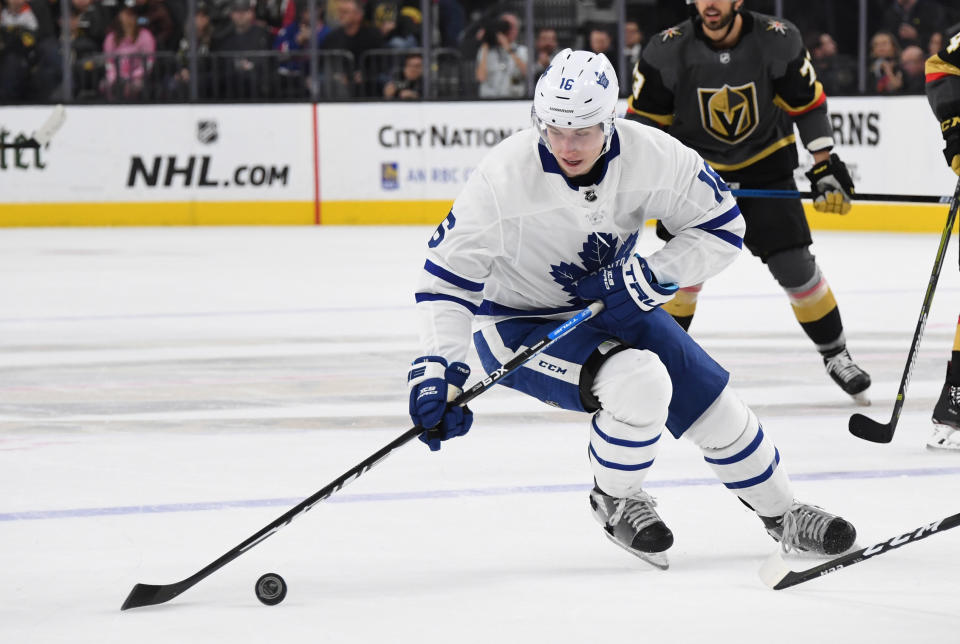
x: 165, y: 393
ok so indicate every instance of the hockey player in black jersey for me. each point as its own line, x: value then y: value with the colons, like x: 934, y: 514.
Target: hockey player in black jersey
x: 731, y: 84
x: 943, y: 92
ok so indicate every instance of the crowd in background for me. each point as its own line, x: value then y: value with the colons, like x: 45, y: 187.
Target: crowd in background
x: 139, y: 50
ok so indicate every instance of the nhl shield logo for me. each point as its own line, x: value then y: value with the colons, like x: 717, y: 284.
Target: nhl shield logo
x: 207, y: 132
x: 729, y: 113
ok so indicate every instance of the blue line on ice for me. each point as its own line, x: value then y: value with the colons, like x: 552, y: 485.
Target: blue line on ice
x: 442, y: 494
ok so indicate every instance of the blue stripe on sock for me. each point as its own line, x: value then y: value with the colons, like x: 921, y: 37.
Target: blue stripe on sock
x: 756, y: 480
x: 742, y: 454
x: 619, y: 466
x: 619, y: 441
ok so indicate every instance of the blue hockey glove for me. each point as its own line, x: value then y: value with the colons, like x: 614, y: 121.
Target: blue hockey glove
x: 625, y: 287
x: 831, y: 185
x: 433, y: 385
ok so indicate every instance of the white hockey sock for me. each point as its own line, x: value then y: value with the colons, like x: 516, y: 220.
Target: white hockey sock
x: 634, y: 391
x: 747, y: 464
x: 621, y: 454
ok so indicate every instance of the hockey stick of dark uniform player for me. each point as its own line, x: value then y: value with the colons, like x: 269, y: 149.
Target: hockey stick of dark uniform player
x: 748, y: 193
x: 43, y: 134
x: 866, y: 428
x: 148, y: 594
x: 778, y: 576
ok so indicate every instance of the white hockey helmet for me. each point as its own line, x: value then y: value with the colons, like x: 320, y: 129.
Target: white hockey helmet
x: 578, y: 89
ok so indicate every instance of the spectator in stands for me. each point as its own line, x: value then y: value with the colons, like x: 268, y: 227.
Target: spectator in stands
x: 451, y: 20
x: 837, y: 72
x: 913, y: 20
x: 204, y: 28
x: 884, y: 63
x: 128, y: 47
x: 409, y: 83
x: 355, y: 37
x: 275, y: 15
x: 19, y: 36
x: 501, y: 63
x: 600, y: 41
x: 92, y: 20
x: 935, y: 43
x: 155, y: 16
x: 912, y: 77
x: 244, y: 76
x: 294, y: 40
x: 545, y: 47
x: 399, y: 23
x: 296, y: 36
x: 632, y: 43
x: 46, y: 26
x: 220, y: 17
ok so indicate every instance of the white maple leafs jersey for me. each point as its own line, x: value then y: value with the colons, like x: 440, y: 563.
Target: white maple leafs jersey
x: 520, y: 234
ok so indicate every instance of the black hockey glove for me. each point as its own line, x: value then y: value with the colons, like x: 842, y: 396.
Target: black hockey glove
x: 951, y: 135
x: 832, y: 186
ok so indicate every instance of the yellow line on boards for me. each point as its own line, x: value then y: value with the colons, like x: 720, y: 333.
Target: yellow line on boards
x: 863, y: 217
x: 240, y: 213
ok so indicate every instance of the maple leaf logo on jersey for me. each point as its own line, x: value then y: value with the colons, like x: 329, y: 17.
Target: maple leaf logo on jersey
x: 778, y: 26
x: 598, y: 251
x: 667, y: 34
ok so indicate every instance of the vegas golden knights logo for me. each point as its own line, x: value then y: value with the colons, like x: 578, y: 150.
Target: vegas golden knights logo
x: 729, y: 113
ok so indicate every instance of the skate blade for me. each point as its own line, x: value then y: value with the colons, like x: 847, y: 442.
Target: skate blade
x: 655, y: 559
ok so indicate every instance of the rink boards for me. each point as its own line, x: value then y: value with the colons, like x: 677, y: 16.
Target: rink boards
x: 367, y: 163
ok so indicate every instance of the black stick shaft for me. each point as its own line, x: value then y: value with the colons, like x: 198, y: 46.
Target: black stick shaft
x: 148, y: 594
x: 845, y: 561
x: 750, y: 193
x: 875, y: 432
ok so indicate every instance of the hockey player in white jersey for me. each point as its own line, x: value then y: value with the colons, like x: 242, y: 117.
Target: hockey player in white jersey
x: 549, y: 222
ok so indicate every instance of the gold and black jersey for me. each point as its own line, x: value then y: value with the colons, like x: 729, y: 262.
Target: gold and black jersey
x: 943, y: 83
x: 736, y: 107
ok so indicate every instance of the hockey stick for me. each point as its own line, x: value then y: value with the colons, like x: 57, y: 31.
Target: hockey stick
x: 870, y: 430
x: 775, y: 573
x: 43, y: 135
x: 794, y: 194
x: 148, y: 594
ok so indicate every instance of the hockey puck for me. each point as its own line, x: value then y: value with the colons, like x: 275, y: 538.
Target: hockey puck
x: 271, y: 589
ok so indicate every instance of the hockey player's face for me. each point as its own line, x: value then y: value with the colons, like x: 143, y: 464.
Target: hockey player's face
x: 716, y: 14
x: 576, y: 149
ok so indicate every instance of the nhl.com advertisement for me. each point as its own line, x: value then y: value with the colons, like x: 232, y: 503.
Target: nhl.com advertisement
x: 160, y: 164
x: 363, y: 163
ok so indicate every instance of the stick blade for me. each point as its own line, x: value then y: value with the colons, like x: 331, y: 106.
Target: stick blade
x: 150, y: 595
x: 869, y: 429
x: 46, y: 131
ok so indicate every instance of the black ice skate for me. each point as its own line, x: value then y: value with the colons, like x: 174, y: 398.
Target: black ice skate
x: 634, y: 525
x: 807, y: 528
x: 946, y: 419
x: 851, y: 378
